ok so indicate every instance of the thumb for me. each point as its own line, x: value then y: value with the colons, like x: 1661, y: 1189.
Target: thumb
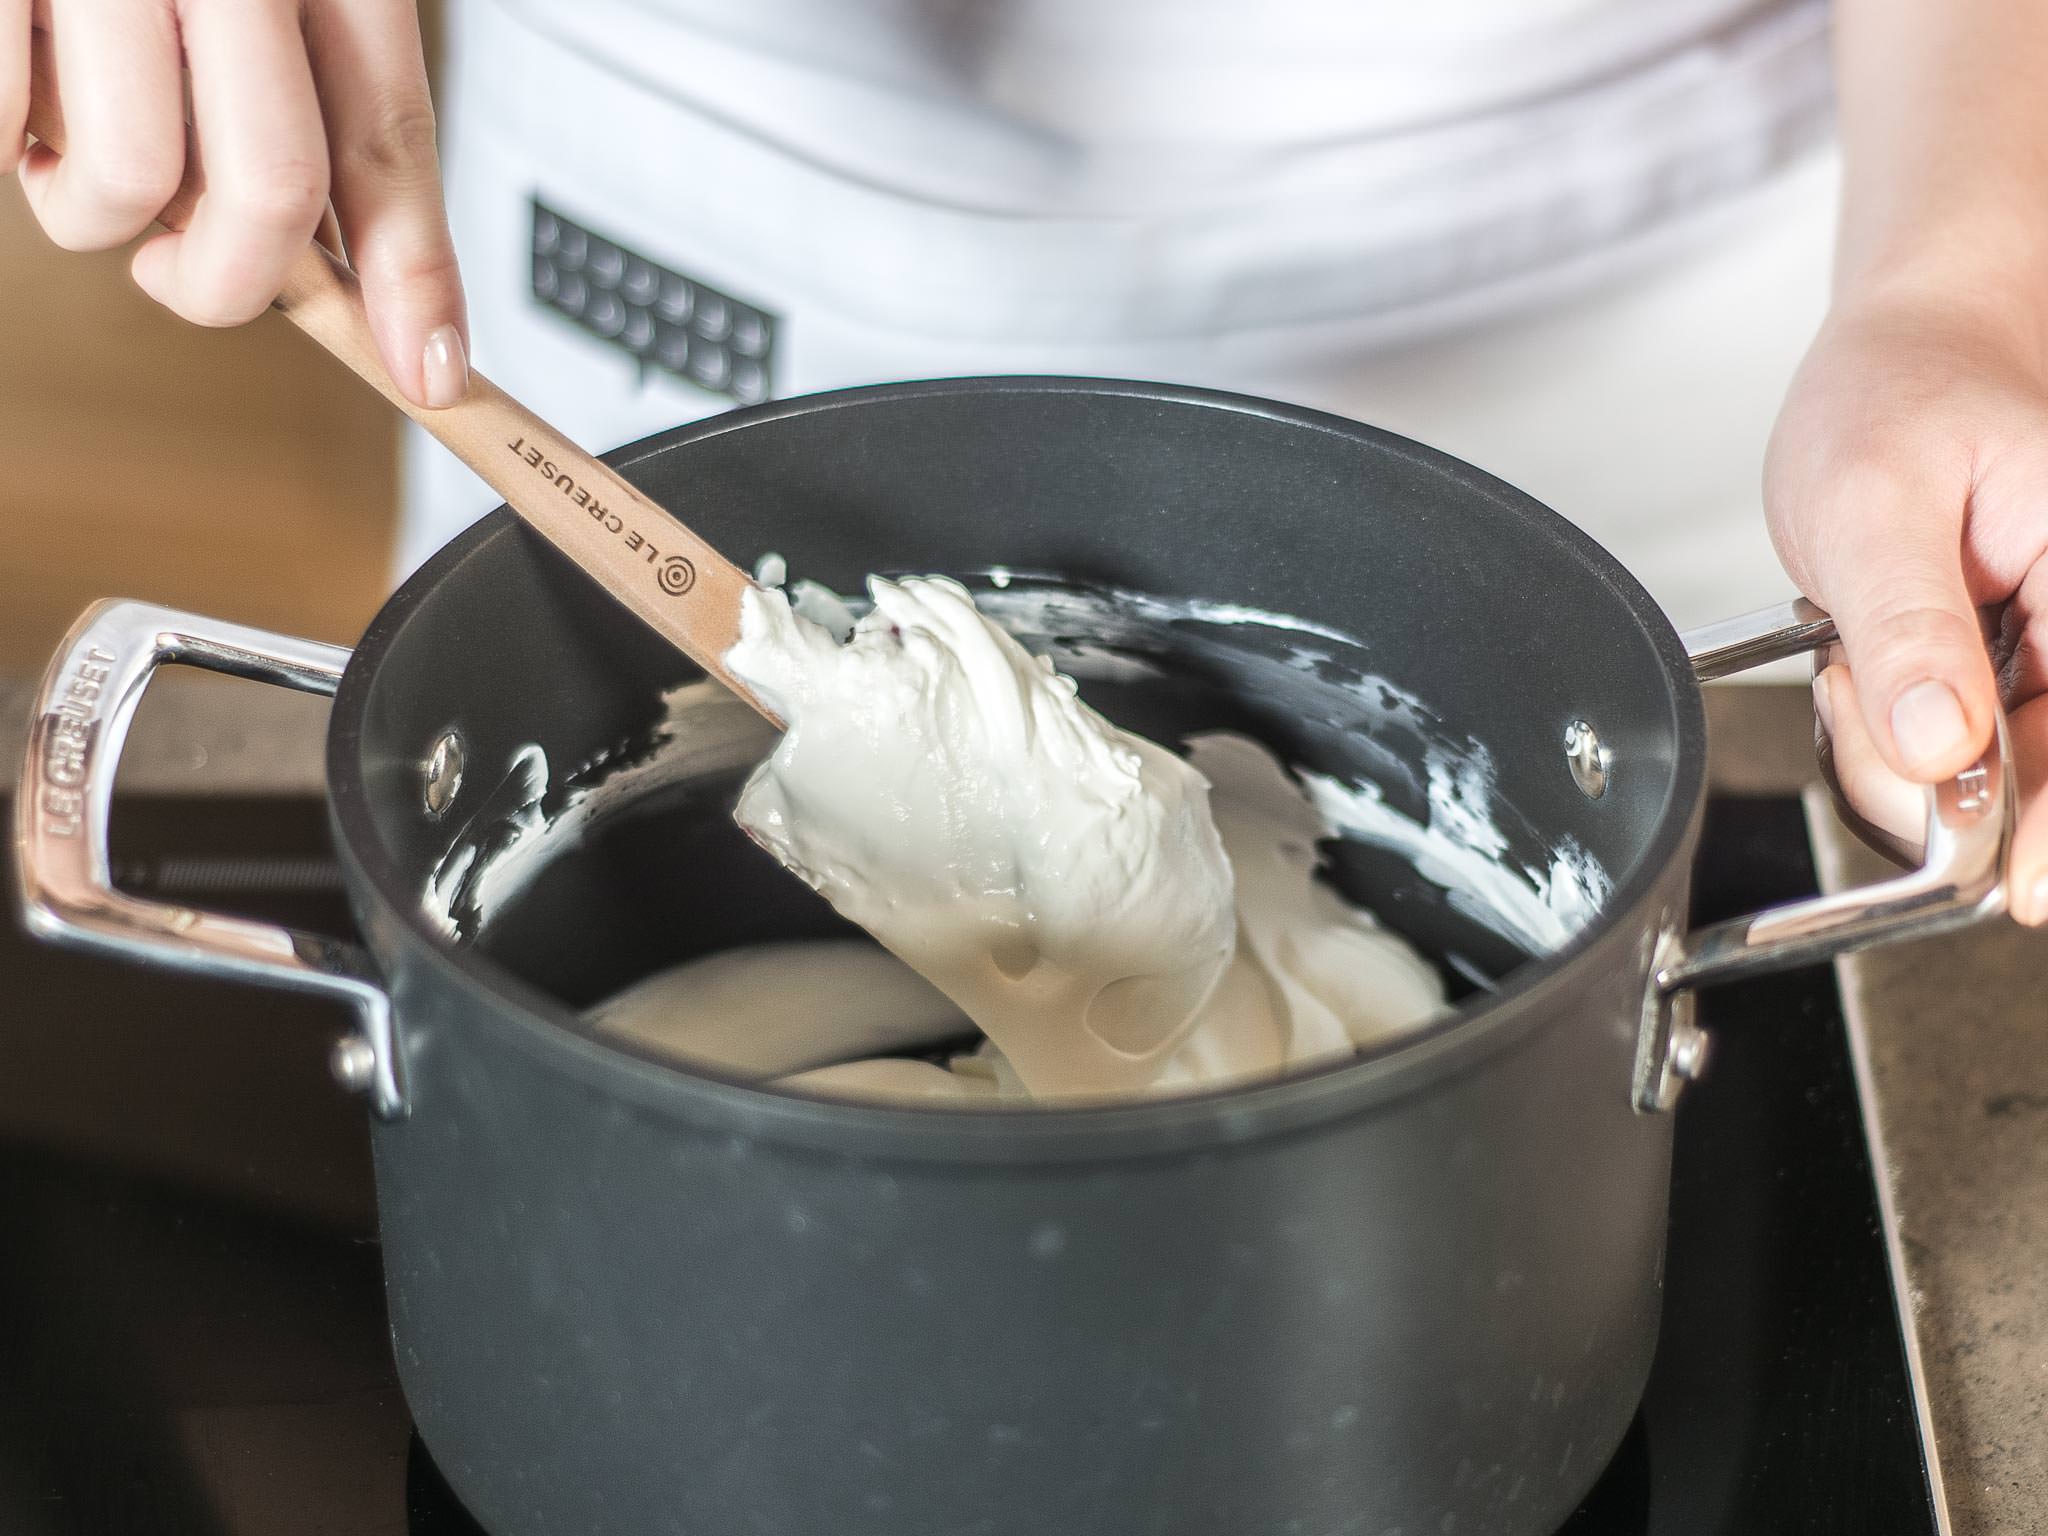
x: 1890, y: 571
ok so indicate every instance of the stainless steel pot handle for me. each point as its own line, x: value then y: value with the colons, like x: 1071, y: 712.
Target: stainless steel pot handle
x: 1961, y: 878
x: 87, y: 700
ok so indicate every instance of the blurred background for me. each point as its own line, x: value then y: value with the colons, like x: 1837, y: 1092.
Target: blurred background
x: 239, y: 473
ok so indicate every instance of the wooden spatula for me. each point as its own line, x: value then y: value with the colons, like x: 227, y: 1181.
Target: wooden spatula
x: 637, y: 551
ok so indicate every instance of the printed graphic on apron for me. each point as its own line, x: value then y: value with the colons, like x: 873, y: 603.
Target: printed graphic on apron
x: 659, y: 317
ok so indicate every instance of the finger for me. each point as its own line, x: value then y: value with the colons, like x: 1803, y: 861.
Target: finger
x: 2027, y: 727
x: 1889, y: 569
x: 1895, y: 807
x: 118, y: 75
x: 257, y: 126
x: 15, y: 21
x: 387, y: 191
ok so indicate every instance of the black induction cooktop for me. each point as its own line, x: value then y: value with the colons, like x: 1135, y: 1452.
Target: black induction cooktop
x: 192, y: 1338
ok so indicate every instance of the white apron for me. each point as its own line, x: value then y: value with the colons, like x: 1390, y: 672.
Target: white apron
x: 1578, y: 242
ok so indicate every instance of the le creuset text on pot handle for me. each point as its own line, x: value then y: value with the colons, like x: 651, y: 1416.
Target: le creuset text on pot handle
x: 1961, y: 878
x: 87, y: 700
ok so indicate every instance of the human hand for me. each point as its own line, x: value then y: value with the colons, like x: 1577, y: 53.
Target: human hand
x: 1907, y: 491
x: 293, y: 102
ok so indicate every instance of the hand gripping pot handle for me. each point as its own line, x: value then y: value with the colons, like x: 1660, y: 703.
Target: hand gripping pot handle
x: 1961, y: 878
x: 87, y: 700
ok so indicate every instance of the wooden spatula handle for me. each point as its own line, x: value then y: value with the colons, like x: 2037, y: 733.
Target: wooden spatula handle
x: 638, y: 551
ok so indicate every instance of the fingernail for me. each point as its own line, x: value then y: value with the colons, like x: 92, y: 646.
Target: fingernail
x: 1824, y: 703
x: 447, y: 367
x: 1928, y: 725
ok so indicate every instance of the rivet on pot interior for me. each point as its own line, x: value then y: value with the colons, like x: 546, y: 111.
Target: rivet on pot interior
x: 353, y: 1061
x: 1589, y: 760
x: 444, y: 774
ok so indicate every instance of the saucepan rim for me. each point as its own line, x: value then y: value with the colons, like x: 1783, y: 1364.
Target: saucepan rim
x: 1480, y: 1026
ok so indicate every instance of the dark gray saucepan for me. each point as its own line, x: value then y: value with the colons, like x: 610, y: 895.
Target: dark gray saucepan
x: 1415, y: 1292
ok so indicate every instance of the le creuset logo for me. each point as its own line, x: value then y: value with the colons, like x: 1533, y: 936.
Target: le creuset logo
x: 70, y: 725
x: 674, y: 573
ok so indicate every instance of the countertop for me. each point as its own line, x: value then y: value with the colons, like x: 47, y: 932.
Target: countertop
x: 1947, y: 1035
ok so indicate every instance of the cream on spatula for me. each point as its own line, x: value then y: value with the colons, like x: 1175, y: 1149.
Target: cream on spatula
x: 1060, y: 879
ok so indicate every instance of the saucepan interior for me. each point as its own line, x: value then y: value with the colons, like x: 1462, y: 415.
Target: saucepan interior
x: 1413, y: 638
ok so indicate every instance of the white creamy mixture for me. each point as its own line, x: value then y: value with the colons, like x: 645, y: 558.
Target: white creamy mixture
x: 1073, y: 890
x: 1060, y: 879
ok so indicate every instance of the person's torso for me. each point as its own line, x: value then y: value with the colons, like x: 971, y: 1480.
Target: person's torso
x: 1064, y: 107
